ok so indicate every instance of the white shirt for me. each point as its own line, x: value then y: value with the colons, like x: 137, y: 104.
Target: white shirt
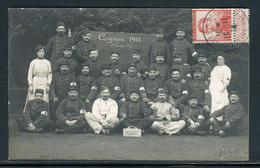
x: 104, y: 110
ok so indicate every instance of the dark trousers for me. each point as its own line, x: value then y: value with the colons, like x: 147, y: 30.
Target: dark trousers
x: 220, y: 126
x: 89, y: 106
x: 76, y: 128
x: 53, y: 108
x: 41, y: 122
x: 139, y: 123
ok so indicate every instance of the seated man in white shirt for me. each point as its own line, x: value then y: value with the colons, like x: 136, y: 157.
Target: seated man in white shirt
x: 104, y: 113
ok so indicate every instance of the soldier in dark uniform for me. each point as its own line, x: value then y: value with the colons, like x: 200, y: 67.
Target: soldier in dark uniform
x: 183, y: 67
x: 59, y: 87
x: 110, y: 81
x: 84, y: 46
x: 205, y: 67
x: 36, y: 115
x: 140, y: 66
x: 232, y: 117
x: 176, y: 90
x: 194, y: 118
x: 200, y: 89
x: 95, y: 63
x: 117, y: 68
x: 87, y: 87
x: 135, y: 113
x: 71, y: 113
x: 54, y: 48
x: 151, y: 85
x: 182, y: 46
x: 67, y: 53
x: 158, y: 45
x: 163, y: 70
x: 131, y: 83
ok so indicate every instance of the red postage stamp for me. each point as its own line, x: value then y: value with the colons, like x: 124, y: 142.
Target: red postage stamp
x: 220, y: 25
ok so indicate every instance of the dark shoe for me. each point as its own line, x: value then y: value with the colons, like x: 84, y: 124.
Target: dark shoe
x: 38, y: 130
x: 60, y: 131
x: 222, y: 134
x: 201, y: 133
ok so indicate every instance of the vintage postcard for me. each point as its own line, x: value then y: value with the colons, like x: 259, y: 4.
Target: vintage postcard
x: 120, y: 84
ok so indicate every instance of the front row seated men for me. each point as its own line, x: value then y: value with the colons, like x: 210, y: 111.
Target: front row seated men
x: 162, y: 116
x: 36, y: 116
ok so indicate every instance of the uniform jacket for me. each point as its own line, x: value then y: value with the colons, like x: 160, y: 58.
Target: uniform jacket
x: 104, y: 110
x: 177, y: 90
x: 206, y: 70
x: 192, y: 113
x: 151, y: 86
x: 82, y: 50
x: 117, y: 67
x: 230, y: 112
x: 158, y: 46
x: 164, y: 71
x: 60, y: 85
x: 112, y: 83
x: 182, y: 47
x: 33, y: 110
x: 95, y: 67
x: 70, y: 109
x: 201, y: 89
x: 55, y: 46
x: 184, y: 70
x: 130, y: 84
x: 73, y: 65
x: 87, y: 87
x: 134, y: 110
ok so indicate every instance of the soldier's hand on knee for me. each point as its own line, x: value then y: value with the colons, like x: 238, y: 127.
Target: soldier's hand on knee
x: 124, y: 115
x: 212, y: 120
x: 227, y: 124
x: 87, y: 101
x: 31, y: 127
x: 206, y: 108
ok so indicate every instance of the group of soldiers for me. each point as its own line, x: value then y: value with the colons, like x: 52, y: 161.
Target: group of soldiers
x: 167, y: 96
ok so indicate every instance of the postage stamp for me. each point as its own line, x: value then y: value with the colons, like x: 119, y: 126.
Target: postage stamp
x: 220, y: 25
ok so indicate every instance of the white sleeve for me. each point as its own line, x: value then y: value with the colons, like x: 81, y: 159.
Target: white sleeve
x: 227, y: 75
x: 49, y: 73
x: 96, y: 110
x: 113, y: 110
x: 30, y: 72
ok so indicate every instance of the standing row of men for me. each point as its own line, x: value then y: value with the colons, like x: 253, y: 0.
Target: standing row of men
x: 84, y: 90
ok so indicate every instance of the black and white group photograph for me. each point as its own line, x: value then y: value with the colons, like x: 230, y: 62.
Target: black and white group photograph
x: 120, y: 84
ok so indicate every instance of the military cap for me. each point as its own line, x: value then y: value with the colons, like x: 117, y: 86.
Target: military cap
x: 86, y: 31
x: 92, y: 49
x: 193, y: 96
x: 115, y: 52
x: 64, y: 62
x: 85, y: 64
x: 160, y: 53
x: 131, y: 65
x: 103, y: 87
x: 179, y: 28
x: 152, y: 68
x: 106, y: 66
x: 67, y: 47
x: 161, y: 90
x: 39, y: 91
x: 234, y: 92
x: 134, y: 92
x: 196, y: 68
x: 137, y: 51
x: 177, y: 56
x: 60, y: 24
x: 73, y: 86
x: 202, y: 55
x: 159, y: 30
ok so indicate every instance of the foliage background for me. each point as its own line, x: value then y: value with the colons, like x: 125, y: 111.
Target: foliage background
x: 31, y: 26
